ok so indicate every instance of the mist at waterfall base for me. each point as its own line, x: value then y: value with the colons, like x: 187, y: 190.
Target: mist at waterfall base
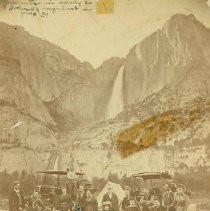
x: 115, y: 105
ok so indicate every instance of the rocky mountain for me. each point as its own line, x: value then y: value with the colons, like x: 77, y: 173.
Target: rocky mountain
x: 86, y: 102
x: 186, y: 92
x: 25, y: 122
x: 42, y: 62
x: 166, y: 56
x: 49, y: 70
x: 166, y: 91
x: 55, y: 106
x: 44, y: 91
x: 64, y: 85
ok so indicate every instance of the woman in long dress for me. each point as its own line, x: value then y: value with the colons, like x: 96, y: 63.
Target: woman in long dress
x: 91, y: 203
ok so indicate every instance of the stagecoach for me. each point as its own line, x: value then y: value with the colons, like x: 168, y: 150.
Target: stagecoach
x: 154, y: 181
x: 52, y: 182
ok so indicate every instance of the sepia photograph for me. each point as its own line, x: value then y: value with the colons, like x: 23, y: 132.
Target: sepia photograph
x: 104, y: 105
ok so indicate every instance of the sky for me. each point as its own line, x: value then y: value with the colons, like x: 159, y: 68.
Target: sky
x: 96, y: 38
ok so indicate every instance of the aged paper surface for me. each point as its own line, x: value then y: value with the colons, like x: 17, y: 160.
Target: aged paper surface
x: 105, y: 105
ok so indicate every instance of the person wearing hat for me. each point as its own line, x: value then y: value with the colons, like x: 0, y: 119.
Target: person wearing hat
x: 71, y: 175
x: 106, y: 206
x: 71, y: 185
x: 16, y: 200
x: 35, y: 202
x: 132, y: 205
x: 81, y: 197
x: 65, y: 201
x: 112, y: 197
x: 181, y: 199
x: 145, y: 201
x: 168, y: 198
x: 91, y: 203
x: 126, y: 200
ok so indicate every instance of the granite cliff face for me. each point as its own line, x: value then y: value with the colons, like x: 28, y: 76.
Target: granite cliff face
x: 53, y: 105
x: 45, y: 91
x: 86, y: 102
x: 183, y: 71
x: 165, y: 55
x: 166, y: 90
x: 16, y: 93
x: 48, y: 69
x: 71, y: 90
x: 25, y: 123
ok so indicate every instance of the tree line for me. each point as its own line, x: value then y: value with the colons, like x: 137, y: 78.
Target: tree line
x: 195, y: 181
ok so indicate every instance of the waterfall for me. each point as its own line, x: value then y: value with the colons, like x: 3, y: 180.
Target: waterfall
x: 56, y: 164
x: 115, y: 104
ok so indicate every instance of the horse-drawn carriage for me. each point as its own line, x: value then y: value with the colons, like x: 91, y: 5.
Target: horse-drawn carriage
x: 155, y: 182
x: 152, y: 181
x: 50, y: 180
x: 51, y: 187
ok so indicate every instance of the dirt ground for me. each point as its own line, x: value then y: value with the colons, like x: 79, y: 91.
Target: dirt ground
x: 202, y: 200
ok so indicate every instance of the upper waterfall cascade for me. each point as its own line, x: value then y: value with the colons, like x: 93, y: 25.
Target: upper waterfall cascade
x: 115, y: 104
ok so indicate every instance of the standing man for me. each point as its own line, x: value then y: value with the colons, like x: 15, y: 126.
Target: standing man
x: 66, y: 202
x: 112, y: 197
x: 126, y: 199
x: 36, y: 203
x: 181, y: 199
x: 71, y: 185
x: 91, y: 203
x: 168, y: 199
x: 16, y: 200
x: 81, y: 197
x: 146, y: 200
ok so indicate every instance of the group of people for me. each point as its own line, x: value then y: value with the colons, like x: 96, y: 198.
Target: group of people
x: 83, y: 201
x: 175, y: 199
x: 79, y: 198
